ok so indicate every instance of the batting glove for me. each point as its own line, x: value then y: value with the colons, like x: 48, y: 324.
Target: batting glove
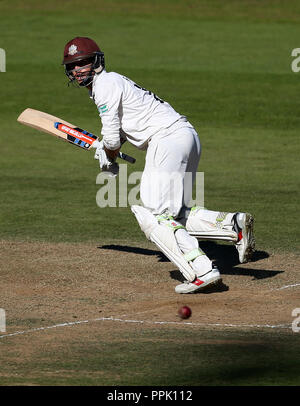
x: 106, y: 165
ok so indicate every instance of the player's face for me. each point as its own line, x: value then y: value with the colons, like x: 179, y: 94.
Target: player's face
x: 81, y: 70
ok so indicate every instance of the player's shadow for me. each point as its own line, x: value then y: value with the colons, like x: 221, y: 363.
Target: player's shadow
x: 136, y: 250
x: 175, y: 274
x: 224, y: 256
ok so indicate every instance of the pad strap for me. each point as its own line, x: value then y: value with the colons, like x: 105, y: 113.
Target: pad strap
x: 168, y: 220
x: 190, y: 256
x: 221, y: 217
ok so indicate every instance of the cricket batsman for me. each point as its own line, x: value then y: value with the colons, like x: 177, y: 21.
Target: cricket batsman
x: 133, y: 113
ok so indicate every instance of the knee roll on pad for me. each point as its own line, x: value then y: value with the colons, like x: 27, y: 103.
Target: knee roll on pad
x: 145, y: 218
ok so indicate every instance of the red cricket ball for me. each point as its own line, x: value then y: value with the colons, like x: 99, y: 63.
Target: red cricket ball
x: 185, y: 312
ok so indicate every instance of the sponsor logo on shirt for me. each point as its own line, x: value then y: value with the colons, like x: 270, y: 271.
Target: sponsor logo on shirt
x: 103, y: 108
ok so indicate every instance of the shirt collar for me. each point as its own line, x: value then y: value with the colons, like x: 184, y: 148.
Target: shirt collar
x: 96, y: 77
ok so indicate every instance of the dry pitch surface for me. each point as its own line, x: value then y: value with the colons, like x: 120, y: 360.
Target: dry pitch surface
x: 57, y: 293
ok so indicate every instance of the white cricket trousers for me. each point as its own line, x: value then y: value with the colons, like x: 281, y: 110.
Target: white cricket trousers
x: 167, y: 182
x: 170, y: 169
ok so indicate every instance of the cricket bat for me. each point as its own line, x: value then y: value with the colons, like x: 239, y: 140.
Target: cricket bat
x: 62, y: 129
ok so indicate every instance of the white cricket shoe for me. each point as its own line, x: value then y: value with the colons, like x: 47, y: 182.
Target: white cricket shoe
x: 201, y: 282
x: 243, y: 226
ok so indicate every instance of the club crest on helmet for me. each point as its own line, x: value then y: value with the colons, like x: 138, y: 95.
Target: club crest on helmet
x: 72, y: 50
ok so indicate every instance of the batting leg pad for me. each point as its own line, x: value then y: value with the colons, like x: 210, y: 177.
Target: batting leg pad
x: 208, y: 224
x: 161, y: 231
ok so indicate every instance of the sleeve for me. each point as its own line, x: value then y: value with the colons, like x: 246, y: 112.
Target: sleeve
x: 109, y: 107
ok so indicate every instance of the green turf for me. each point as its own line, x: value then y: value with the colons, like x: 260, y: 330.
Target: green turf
x: 156, y: 358
x: 226, y: 68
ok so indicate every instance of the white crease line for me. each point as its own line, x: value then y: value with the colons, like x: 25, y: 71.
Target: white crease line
x: 72, y: 323
x: 287, y: 286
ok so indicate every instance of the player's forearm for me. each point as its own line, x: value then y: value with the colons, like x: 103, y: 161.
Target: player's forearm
x: 111, y: 135
x: 111, y: 141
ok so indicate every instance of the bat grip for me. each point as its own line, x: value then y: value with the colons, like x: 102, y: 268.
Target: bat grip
x: 126, y: 157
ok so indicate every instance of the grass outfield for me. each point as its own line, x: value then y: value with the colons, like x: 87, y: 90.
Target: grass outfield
x: 231, y: 76
x: 227, y: 66
x: 269, y: 361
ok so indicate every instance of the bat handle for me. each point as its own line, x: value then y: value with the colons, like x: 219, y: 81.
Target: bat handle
x: 127, y: 158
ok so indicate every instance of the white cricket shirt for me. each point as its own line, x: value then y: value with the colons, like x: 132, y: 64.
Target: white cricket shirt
x: 125, y: 107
